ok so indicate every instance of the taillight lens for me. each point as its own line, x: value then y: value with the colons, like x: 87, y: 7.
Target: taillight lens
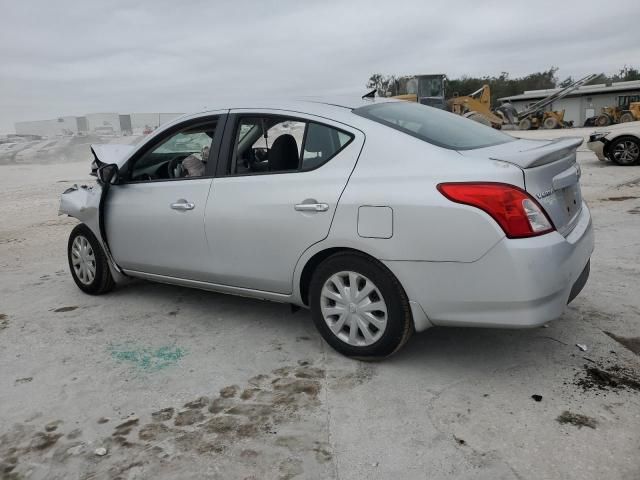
x: 517, y: 213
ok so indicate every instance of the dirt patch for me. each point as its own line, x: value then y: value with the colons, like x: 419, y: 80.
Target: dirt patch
x: 614, y: 377
x: 126, y: 427
x: 188, y: 417
x: 632, y: 343
x: 272, y: 402
x: 576, y: 419
x: 42, y: 440
x: 66, y: 309
x: 230, y: 391
x: 163, y: 415
x: 4, y: 321
x: 619, y: 199
x: 634, y: 211
x: 23, y: 380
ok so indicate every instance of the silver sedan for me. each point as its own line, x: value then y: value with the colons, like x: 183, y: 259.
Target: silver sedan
x: 382, y: 217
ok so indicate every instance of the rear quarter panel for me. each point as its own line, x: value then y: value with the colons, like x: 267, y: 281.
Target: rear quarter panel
x: 401, y: 172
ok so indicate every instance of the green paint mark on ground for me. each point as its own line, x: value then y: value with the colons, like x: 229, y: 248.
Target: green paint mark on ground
x: 147, y: 358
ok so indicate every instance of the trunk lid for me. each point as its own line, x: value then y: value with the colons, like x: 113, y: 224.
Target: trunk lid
x: 551, y: 174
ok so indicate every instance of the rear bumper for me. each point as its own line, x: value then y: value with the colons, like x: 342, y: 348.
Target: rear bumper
x: 597, y: 147
x: 518, y: 283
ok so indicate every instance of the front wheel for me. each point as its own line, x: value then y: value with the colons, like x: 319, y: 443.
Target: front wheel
x: 359, y: 306
x: 87, y: 262
x: 625, y: 151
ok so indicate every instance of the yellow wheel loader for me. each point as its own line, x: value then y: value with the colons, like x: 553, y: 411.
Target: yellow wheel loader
x: 619, y: 114
x: 477, y: 107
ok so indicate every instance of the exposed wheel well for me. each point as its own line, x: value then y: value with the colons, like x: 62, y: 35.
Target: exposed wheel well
x: 312, y: 264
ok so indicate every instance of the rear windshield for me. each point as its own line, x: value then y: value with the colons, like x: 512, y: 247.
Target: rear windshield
x: 433, y: 125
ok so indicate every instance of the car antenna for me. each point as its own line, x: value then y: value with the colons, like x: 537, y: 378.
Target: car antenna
x: 371, y: 94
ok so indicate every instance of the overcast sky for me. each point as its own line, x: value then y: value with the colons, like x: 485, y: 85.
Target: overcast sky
x: 71, y: 58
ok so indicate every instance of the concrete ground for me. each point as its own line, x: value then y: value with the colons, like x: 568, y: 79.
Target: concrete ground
x: 179, y: 383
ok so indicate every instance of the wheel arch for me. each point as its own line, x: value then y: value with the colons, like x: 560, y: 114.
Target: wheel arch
x: 419, y: 318
x: 313, y: 262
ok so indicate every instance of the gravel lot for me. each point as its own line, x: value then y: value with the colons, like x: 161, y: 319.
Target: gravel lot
x: 178, y: 383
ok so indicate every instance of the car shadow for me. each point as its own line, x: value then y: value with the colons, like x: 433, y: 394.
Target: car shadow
x: 465, y: 350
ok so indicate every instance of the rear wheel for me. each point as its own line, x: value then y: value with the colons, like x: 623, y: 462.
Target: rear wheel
x: 627, y: 117
x: 550, y: 123
x: 525, y: 124
x: 87, y: 262
x: 603, y: 120
x: 359, y: 307
x: 625, y: 151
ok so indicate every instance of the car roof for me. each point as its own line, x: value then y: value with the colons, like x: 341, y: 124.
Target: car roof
x: 311, y: 105
x: 337, y: 108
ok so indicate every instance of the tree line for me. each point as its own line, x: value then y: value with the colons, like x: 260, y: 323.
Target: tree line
x: 504, y: 86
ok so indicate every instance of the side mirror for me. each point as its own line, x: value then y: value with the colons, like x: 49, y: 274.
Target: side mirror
x: 108, y: 174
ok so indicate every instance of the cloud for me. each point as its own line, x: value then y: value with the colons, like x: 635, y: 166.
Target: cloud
x: 72, y: 57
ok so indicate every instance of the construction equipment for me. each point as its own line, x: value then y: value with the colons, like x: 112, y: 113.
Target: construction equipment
x: 535, y: 115
x: 424, y: 89
x: 477, y: 107
x: 619, y: 114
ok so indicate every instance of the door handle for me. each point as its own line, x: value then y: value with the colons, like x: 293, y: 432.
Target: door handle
x: 312, y: 207
x: 183, y: 205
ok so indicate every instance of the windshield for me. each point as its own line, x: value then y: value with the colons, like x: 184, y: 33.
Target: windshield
x: 433, y: 125
x: 431, y: 87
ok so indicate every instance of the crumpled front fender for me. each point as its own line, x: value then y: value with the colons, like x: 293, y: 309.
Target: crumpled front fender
x: 83, y: 202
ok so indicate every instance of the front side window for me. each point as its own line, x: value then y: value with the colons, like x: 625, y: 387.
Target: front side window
x: 182, y: 155
x: 270, y: 144
x: 433, y: 125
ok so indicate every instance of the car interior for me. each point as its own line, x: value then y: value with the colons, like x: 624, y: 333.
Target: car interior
x: 190, y: 146
x: 262, y: 144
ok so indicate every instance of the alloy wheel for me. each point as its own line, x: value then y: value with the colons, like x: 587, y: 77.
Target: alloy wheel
x: 626, y: 152
x: 353, y: 308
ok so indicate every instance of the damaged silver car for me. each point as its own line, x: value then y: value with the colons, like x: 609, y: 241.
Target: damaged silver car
x: 382, y: 217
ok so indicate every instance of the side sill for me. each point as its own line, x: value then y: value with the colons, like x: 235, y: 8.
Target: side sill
x: 212, y: 287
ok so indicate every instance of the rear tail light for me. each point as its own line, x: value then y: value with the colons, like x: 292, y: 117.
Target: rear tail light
x: 517, y: 213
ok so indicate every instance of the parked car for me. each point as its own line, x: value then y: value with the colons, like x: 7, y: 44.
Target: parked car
x: 619, y: 144
x: 382, y: 217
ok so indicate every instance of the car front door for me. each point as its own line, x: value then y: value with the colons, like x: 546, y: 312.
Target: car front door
x: 279, y: 179
x: 154, y: 215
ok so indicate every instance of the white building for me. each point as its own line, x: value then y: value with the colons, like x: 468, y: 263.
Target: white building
x: 583, y: 102
x: 95, y: 123
x: 103, y: 122
x: 48, y: 128
x: 140, y: 121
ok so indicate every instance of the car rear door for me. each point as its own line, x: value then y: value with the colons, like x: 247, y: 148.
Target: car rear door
x: 258, y: 224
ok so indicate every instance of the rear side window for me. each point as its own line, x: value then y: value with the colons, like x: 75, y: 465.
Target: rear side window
x: 276, y: 144
x: 321, y: 143
x: 433, y: 125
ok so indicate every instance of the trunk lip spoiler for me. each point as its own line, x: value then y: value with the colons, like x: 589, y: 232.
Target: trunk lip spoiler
x: 542, y: 154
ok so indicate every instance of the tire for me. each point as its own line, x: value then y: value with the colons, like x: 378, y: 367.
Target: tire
x: 83, y: 252
x: 391, y: 325
x: 624, y: 151
x: 603, y: 120
x: 550, y: 123
x: 627, y: 117
x: 525, y: 124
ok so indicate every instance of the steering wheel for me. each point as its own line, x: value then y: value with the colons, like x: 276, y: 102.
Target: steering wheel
x: 174, y: 167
